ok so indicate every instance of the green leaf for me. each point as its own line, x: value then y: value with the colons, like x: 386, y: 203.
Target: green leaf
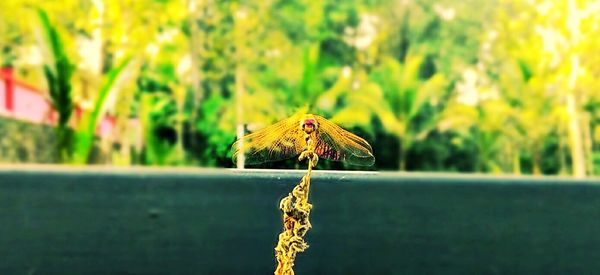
x: 90, y: 120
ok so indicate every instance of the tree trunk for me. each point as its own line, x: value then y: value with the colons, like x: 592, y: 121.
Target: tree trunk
x: 179, y: 101
x: 195, y: 51
x: 516, y: 161
x: 537, y: 170
x: 589, y: 151
x: 575, y: 136
x: 402, y: 166
x: 402, y: 154
x: 240, y: 74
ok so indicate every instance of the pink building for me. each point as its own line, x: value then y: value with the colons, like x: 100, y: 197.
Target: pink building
x: 21, y: 101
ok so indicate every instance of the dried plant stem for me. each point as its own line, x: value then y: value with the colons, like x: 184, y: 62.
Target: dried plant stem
x: 296, y: 211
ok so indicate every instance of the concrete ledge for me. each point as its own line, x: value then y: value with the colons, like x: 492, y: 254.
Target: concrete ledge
x: 60, y: 220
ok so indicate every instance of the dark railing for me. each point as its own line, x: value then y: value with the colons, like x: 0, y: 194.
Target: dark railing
x: 149, y: 221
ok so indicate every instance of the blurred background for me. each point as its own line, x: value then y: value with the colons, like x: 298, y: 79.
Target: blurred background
x: 504, y: 86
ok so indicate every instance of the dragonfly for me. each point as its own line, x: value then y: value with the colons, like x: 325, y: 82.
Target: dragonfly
x: 289, y: 138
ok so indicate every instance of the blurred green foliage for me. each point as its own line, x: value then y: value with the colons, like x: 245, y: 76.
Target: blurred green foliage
x: 501, y: 86
x: 58, y: 71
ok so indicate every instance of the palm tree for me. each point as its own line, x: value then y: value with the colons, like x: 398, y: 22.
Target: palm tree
x: 406, y: 97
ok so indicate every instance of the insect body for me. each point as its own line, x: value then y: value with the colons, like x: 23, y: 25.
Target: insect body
x: 289, y: 137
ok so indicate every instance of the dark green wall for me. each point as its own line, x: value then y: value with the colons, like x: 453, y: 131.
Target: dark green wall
x: 26, y: 143
x: 23, y: 142
x: 225, y: 222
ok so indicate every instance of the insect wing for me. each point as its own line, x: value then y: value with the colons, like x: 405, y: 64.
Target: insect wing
x: 281, y: 140
x: 337, y: 144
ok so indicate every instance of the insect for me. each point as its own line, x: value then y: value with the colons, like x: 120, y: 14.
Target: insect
x: 289, y: 137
